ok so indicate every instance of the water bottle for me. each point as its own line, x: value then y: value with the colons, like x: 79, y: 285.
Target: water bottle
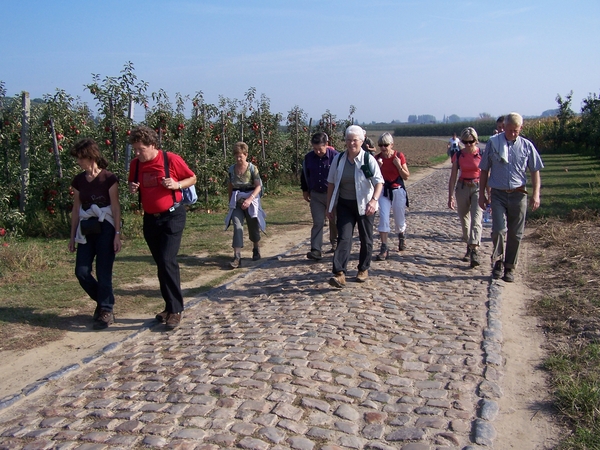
x: 487, y: 214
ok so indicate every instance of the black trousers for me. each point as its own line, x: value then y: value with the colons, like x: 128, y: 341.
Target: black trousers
x: 347, y: 218
x: 163, y: 235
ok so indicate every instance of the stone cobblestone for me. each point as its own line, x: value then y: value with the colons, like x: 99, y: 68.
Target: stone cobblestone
x: 277, y: 359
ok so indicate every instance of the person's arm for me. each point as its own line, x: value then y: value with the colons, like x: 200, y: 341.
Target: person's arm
x: 115, y: 207
x: 402, y: 168
x: 483, y: 197
x: 372, y: 204
x: 74, y: 219
x: 330, y: 187
x: 452, y: 184
x: 536, y: 182
x: 255, y: 193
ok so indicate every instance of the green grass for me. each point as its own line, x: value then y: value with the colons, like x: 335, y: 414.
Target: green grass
x: 569, y: 182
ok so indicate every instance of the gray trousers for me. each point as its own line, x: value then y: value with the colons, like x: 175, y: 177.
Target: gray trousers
x: 318, y: 211
x: 508, y: 223
x: 237, y: 219
x: 469, y: 212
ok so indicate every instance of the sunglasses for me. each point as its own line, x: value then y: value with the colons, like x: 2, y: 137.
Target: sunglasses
x: 384, y: 145
x: 468, y: 142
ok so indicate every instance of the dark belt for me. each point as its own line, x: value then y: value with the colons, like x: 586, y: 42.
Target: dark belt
x: 469, y: 181
x: 167, y: 212
x: 520, y: 189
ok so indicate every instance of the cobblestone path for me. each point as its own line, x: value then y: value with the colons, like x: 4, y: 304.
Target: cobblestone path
x: 280, y: 360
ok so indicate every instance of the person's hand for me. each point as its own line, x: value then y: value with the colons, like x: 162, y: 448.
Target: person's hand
x: 534, y: 202
x: 397, y: 162
x: 133, y: 187
x: 371, y: 207
x: 330, y: 215
x: 117, y: 243
x: 483, y: 201
x: 169, y: 183
x: 246, y: 203
x: 306, y: 195
x: 451, y: 203
x: 72, y: 246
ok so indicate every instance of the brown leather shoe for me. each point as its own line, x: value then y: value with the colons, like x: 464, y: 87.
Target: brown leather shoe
x: 173, y: 320
x: 105, y: 319
x: 338, y: 281
x: 162, y: 316
x: 362, y: 276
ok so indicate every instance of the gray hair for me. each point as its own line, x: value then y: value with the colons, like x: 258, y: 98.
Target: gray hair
x: 514, y: 118
x: 355, y: 130
x: 385, y: 139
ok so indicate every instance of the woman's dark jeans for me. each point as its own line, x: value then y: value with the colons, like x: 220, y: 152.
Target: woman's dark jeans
x: 99, y: 246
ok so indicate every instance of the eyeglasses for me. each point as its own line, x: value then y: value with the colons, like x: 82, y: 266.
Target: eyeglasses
x: 384, y: 145
x: 468, y: 142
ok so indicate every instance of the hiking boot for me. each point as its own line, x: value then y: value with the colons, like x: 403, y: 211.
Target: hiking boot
x: 314, y: 254
x: 173, y: 321
x: 467, y: 256
x: 475, y: 261
x: 509, y: 275
x: 383, y: 253
x: 362, y: 276
x: 105, y: 318
x: 162, y: 316
x: 497, y: 271
x: 401, y: 242
x: 235, y: 262
x: 255, y: 254
x: 338, y: 281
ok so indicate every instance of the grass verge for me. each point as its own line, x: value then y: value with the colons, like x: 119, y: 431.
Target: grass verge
x: 567, y: 269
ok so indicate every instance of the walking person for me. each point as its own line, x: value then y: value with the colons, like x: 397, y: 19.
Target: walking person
x: 504, y: 165
x: 95, y: 228
x: 313, y: 182
x: 244, y: 189
x: 354, y: 186
x: 164, y: 215
x: 463, y: 193
x: 394, y: 198
x: 453, y: 145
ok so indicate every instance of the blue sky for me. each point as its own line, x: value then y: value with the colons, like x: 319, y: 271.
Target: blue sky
x: 388, y: 58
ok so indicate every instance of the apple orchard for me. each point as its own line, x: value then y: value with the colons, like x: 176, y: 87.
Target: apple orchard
x: 36, y: 137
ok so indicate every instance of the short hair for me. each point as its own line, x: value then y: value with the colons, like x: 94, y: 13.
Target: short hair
x: 319, y: 138
x: 514, y: 119
x: 467, y: 133
x: 145, y: 135
x: 385, y: 139
x: 355, y: 130
x: 500, y: 119
x: 240, y: 147
x: 87, y: 148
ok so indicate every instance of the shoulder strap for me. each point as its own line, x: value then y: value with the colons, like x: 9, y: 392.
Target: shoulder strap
x: 167, y: 173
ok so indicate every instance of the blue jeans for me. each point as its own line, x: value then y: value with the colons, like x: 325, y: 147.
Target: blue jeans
x: 100, y: 247
x: 347, y: 218
x: 163, y: 234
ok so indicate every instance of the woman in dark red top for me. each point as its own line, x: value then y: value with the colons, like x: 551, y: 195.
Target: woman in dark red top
x: 95, y: 201
x: 393, y: 199
x: 465, y: 167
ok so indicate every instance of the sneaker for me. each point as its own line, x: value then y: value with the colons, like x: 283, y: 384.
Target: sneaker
x: 362, y: 276
x: 383, y: 253
x: 497, y: 271
x: 104, y: 320
x: 255, y: 254
x: 235, y: 262
x: 314, y: 254
x: 509, y: 275
x: 475, y: 261
x: 467, y: 256
x: 401, y: 242
x: 173, y: 321
x: 162, y: 316
x: 338, y: 281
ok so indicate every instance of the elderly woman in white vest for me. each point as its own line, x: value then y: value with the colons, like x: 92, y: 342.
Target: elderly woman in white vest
x: 355, y: 184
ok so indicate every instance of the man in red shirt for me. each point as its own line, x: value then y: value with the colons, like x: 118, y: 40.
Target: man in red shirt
x: 164, y: 215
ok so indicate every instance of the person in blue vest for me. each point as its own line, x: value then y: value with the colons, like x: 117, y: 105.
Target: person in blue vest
x: 354, y: 186
x: 313, y: 182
